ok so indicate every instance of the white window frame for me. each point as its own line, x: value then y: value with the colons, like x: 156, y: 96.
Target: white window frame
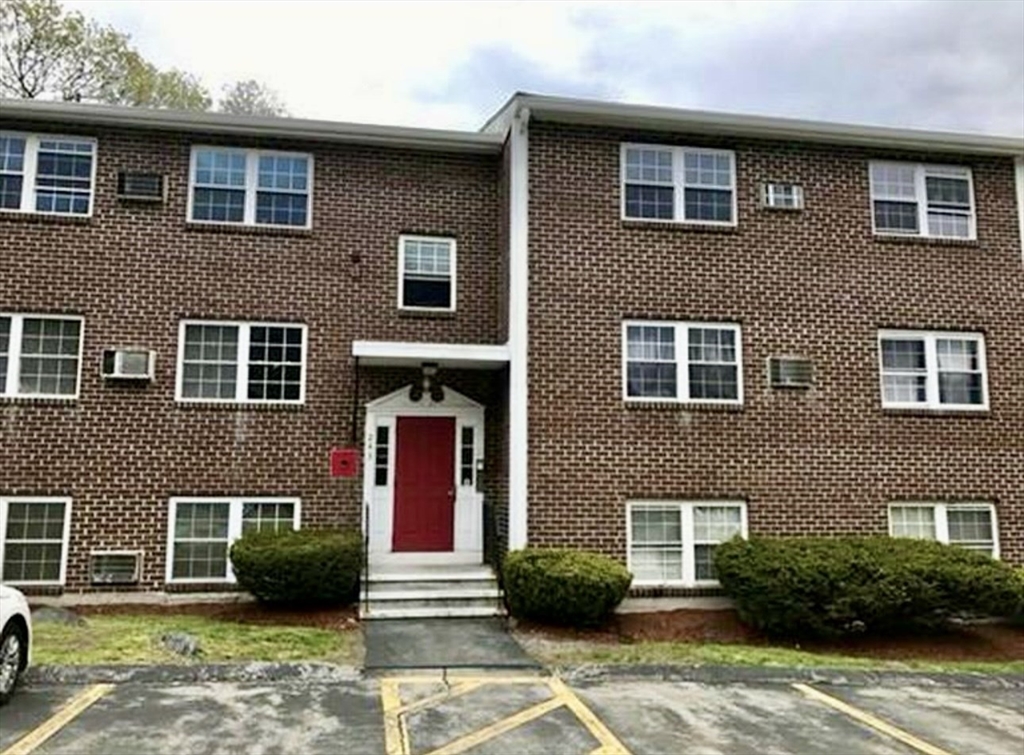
x: 65, y: 541
x: 921, y: 172
x: 452, y: 266
x: 252, y: 173
x: 931, y: 361
x: 679, y: 184
x: 242, y: 374
x: 31, y: 169
x: 235, y: 506
x: 687, y: 534
x: 9, y: 389
x: 682, y: 362
x: 941, y: 511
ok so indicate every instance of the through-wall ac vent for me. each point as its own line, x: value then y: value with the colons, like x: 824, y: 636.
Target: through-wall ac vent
x: 141, y: 187
x: 782, y: 196
x: 115, y: 567
x: 790, y: 372
x: 128, y: 364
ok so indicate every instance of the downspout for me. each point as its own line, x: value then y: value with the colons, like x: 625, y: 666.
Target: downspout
x: 1019, y: 165
x: 518, y: 321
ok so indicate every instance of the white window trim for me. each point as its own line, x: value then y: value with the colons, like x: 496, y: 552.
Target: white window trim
x: 453, y: 270
x: 678, y: 184
x: 682, y: 362
x: 688, y: 539
x: 235, y: 505
x: 10, y: 389
x: 252, y: 171
x: 942, y: 518
x: 66, y: 535
x: 932, y: 369
x: 242, y: 375
x: 28, y: 180
x: 921, y: 199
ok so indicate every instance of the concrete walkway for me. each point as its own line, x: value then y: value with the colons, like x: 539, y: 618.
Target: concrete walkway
x: 442, y: 643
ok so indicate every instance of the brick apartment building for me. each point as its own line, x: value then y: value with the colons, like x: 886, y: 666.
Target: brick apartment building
x: 637, y: 330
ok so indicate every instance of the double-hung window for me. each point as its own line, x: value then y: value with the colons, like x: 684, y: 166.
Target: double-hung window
x: 673, y: 543
x: 426, y: 269
x: 970, y: 525
x: 34, y: 535
x: 250, y: 187
x: 47, y: 174
x: 933, y: 370
x: 256, y: 363
x: 935, y: 201
x: 682, y: 362
x: 40, y: 355
x: 678, y: 184
x: 201, y: 532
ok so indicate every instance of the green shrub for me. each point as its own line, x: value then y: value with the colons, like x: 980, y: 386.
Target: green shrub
x: 827, y: 587
x: 1018, y: 616
x: 299, y: 567
x: 561, y: 586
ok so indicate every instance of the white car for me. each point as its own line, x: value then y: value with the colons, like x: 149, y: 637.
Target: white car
x: 15, y: 639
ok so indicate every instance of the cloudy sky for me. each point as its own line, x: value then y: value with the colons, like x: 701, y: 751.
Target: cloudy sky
x: 941, y: 64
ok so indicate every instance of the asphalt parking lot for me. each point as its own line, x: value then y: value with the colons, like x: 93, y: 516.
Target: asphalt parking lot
x: 513, y: 715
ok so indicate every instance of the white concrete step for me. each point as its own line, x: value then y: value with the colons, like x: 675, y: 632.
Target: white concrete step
x: 432, y: 612
x: 430, y: 574
x: 438, y: 587
x: 419, y: 592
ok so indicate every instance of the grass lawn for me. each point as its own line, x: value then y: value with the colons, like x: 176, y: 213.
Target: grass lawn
x: 136, y: 639
x: 575, y: 652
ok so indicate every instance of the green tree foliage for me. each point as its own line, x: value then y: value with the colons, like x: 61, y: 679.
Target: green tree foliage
x: 46, y: 52
x: 49, y: 53
x: 250, y: 97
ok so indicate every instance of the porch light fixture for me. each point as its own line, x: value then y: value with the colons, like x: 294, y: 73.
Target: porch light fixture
x: 429, y: 385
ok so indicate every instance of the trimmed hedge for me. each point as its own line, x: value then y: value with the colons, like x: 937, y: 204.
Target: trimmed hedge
x: 828, y: 587
x: 562, y: 586
x: 309, y: 567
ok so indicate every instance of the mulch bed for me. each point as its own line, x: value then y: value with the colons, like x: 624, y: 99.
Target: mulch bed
x: 975, y: 642
x: 340, y: 619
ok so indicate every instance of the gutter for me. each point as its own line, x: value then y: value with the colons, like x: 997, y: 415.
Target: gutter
x: 245, y: 125
x: 646, y: 117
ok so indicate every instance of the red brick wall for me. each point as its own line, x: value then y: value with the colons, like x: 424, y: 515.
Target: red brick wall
x: 816, y: 283
x: 134, y: 271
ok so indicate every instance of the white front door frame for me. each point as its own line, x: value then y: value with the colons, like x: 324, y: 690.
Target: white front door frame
x: 379, y: 499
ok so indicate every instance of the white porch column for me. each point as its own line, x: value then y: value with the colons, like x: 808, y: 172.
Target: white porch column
x: 519, y: 198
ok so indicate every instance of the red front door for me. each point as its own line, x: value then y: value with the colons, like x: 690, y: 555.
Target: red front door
x: 424, y: 518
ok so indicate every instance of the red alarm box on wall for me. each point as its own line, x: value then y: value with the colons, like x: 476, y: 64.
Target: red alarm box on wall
x: 344, y: 462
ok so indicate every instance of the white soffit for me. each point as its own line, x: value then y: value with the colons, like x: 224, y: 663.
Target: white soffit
x: 446, y: 355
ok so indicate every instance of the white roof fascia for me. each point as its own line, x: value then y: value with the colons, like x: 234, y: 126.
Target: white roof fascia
x: 72, y: 113
x: 646, y: 117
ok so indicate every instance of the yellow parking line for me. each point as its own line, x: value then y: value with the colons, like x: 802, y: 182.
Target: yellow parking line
x: 456, y: 690
x: 873, y: 721
x: 396, y: 738
x: 58, y: 720
x: 498, y: 728
x: 610, y: 745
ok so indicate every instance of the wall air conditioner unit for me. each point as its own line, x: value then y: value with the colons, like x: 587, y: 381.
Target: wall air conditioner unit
x: 128, y: 364
x: 141, y: 187
x: 782, y: 196
x: 790, y: 372
x: 115, y: 567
